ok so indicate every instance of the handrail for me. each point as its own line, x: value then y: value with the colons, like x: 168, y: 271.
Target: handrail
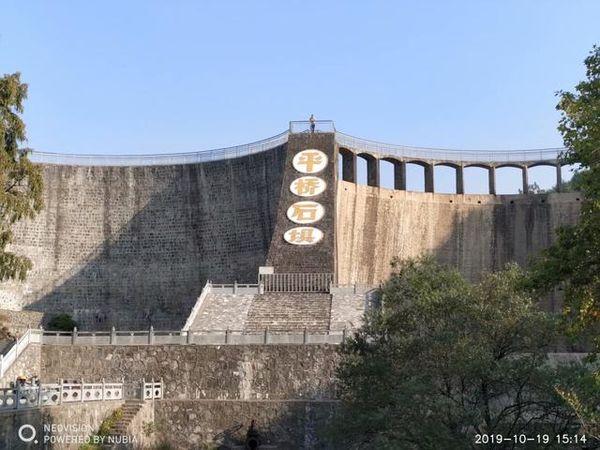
x: 306, y: 126
x: 160, y: 159
x: 183, y: 337
x: 441, y: 154
x: 52, y: 394
x: 296, y: 282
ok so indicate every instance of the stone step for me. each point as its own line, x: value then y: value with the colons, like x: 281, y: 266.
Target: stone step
x: 290, y: 312
x: 130, y: 409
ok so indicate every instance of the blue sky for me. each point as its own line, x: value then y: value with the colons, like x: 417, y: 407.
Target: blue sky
x: 164, y: 76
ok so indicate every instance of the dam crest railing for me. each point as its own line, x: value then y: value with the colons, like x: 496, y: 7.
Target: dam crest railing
x: 380, y: 150
x: 165, y: 159
x: 383, y: 150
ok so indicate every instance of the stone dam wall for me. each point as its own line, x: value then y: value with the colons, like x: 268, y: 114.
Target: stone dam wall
x: 212, y: 393
x: 475, y: 233
x: 131, y: 246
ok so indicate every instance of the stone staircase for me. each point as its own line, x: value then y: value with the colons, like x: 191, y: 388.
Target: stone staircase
x: 130, y: 410
x: 290, y: 312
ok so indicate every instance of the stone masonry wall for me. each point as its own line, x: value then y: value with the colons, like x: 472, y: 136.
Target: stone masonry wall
x: 28, y: 364
x: 282, y: 425
x: 212, y: 393
x: 131, y: 246
x: 472, y: 232
x: 18, y: 322
x: 232, y: 372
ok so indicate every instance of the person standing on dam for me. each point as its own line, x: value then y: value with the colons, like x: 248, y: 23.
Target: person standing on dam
x: 313, y: 122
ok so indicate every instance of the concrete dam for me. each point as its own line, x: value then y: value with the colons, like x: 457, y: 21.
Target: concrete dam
x: 131, y: 241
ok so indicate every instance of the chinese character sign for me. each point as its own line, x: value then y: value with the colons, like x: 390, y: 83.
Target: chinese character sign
x: 305, y: 212
x: 308, y: 186
x: 310, y: 161
x: 303, y: 235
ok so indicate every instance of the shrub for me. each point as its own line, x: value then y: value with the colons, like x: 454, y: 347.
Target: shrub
x: 62, y: 322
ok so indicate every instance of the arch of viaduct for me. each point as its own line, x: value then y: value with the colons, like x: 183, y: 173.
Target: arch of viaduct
x: 351, y: 148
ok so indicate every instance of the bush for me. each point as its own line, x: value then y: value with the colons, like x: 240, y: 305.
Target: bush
x: 62, y: 322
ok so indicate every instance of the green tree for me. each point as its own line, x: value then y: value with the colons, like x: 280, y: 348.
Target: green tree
x: 573, y: 262
x: 21, y: 196
x: 442, y: 360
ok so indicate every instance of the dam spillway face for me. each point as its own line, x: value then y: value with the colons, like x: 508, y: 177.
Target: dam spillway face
x: 130, y: 242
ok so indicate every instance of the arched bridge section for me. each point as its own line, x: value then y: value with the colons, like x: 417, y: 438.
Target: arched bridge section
x: 351, y: 148
x: 472, y: 232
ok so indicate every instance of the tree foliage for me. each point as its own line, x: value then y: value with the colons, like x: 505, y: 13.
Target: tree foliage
x: 62, y: 322
x: 21, y: 196
x: 573, y: 262
x: 443, y: 359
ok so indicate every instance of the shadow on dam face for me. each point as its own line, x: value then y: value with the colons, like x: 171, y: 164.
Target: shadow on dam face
x: 132, y: 247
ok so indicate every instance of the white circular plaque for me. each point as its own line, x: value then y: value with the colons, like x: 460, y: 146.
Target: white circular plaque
x: 308, y: 186
x: 303, y: 235
x: 305, y: 212
x: 310, y: 161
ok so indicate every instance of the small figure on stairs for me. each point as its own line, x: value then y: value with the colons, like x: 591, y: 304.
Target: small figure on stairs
x: 313, y: 122
x: 252, y: 437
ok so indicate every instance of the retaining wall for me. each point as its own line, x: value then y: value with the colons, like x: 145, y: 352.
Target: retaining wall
x: 281, y: 424
x: 240, y: 372
x: 212, y: 393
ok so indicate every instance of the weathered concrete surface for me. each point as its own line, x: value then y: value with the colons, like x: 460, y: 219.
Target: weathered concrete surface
x: 127, y: 246
x: 240, y: 372
x: 83, y: 419
x: 282, y: 425
x: 472, y: 232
